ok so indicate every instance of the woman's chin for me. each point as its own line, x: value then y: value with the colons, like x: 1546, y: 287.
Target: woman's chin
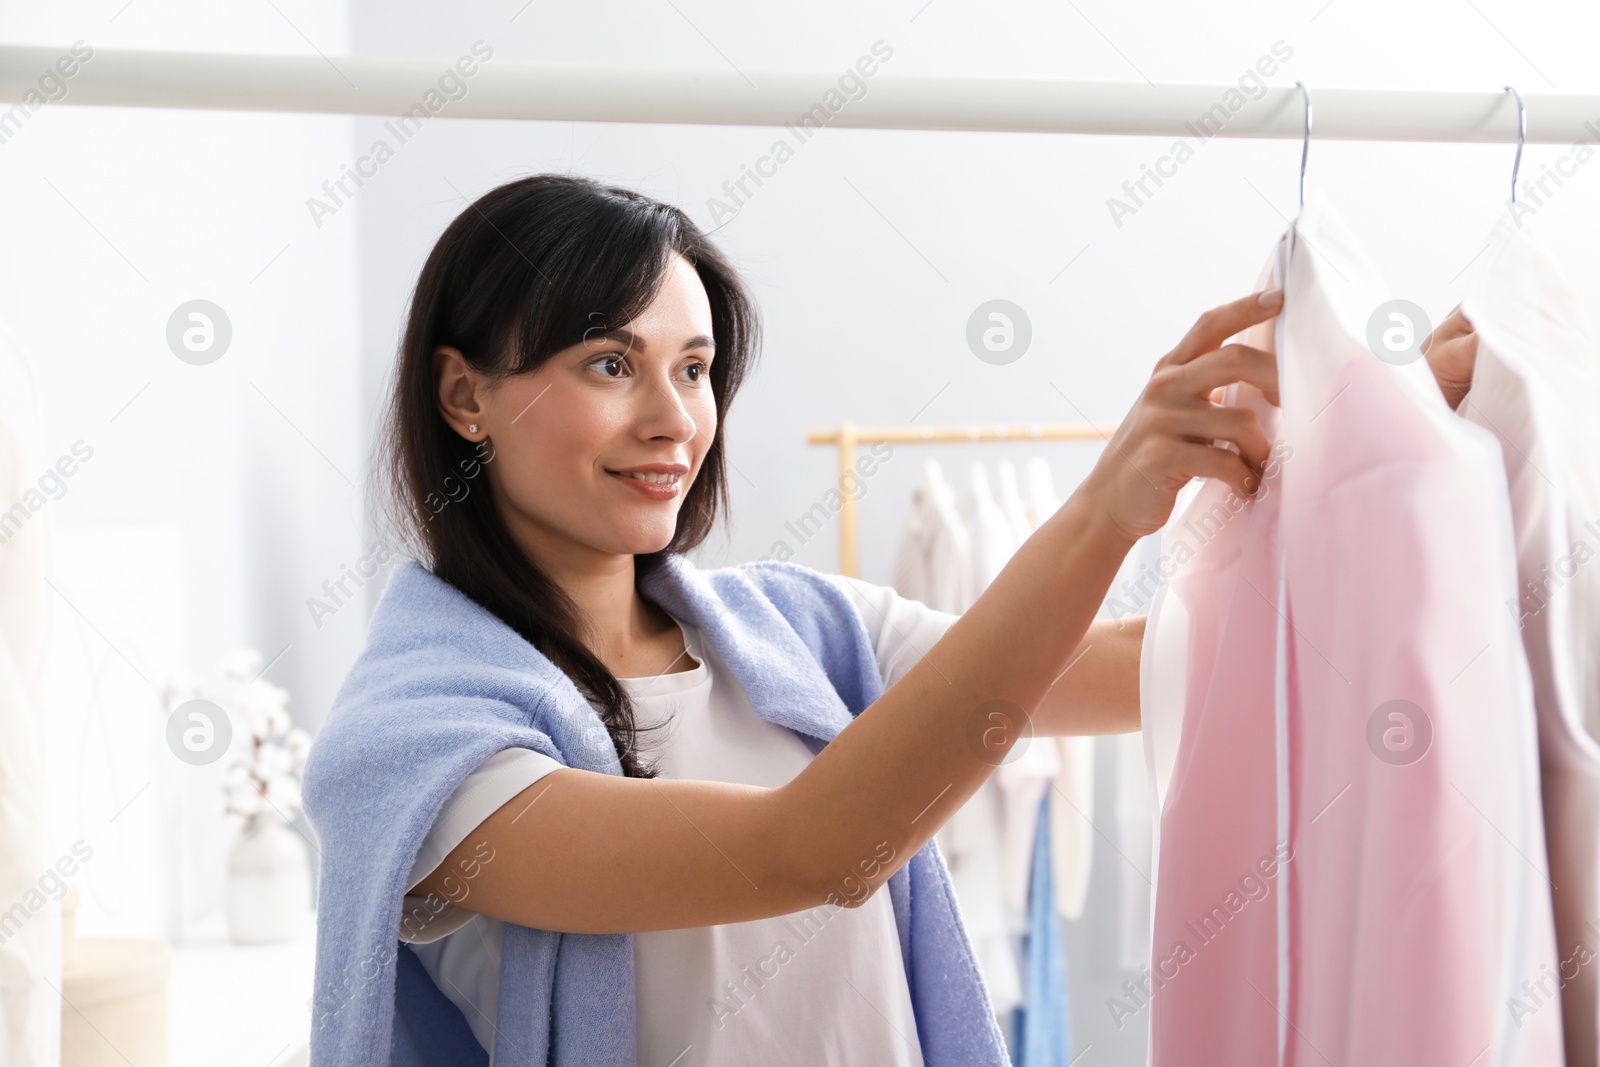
x: 649, y: 539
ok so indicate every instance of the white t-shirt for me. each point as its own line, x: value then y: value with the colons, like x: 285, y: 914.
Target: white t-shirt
x: 825, y: 986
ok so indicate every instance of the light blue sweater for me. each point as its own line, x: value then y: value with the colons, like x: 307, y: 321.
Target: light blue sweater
x: 444, y: 684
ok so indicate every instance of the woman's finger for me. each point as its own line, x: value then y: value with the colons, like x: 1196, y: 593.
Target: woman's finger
x: 1452, y: 352
x: 1232, y: 363
x: 1220, y: 323
x: 1454, y: 325
x: 1209, y: 461
x: 1238, y: 426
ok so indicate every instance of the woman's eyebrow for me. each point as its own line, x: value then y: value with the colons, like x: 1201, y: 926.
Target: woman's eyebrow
x: 634, y: 342
x: 595, y: 335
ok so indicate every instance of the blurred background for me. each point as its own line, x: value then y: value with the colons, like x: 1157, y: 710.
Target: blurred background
x: 205, y: 529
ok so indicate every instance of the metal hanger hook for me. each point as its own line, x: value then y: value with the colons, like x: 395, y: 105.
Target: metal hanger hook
x: 1305, y: 145
x: 1522, y: 135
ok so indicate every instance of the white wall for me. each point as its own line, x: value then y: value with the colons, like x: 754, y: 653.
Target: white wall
x: 870, y: 249
x: 216, y: 494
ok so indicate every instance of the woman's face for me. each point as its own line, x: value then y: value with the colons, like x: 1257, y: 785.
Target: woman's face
x: 568, y: 438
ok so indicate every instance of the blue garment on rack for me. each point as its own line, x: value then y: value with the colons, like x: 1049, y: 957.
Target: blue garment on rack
x: 1045, y: 1021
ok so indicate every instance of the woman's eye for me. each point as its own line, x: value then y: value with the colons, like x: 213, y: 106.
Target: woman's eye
x: 701, y: 369
x: 607, y: 360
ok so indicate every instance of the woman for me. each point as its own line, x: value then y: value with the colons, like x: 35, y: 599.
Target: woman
x: 705, y: 892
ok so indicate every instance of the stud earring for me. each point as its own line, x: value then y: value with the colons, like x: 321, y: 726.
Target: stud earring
x: 472, y: 427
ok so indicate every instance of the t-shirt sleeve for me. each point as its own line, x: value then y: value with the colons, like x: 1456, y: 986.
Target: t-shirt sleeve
x: 482, y: 793
x: 901, y: 630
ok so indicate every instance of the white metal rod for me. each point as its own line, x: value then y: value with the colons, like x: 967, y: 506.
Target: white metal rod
x: 365, y: 85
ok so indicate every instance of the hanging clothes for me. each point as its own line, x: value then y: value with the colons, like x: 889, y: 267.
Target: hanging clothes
x: 1339, y: 724
x: 1071, y: 801
x: 994, y: 539
x: 1071, y: 793
x: 933, y: 562
x: 1019, y: 785
x: 1045, y: 1023
x: 1024, y: 784
x: 969, y: 843
x: 1025, y: 777
x: 1041, y: 495
x: 975, y: 838
x: 1009, y: 496
x: 1023, y: 787
x: 1536, y: 386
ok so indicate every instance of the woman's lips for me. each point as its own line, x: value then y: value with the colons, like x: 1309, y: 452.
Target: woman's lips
x: 651, y: 490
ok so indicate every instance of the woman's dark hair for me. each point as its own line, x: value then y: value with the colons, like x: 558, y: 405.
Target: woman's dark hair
x: 517, y: 277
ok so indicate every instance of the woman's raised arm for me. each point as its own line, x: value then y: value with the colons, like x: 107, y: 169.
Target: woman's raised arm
x: 595, y: 853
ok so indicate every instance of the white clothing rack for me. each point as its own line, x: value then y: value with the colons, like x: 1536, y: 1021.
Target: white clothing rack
x: 370, y: 85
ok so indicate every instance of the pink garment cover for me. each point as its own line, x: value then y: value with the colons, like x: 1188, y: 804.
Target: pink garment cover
x: 1338, y: 717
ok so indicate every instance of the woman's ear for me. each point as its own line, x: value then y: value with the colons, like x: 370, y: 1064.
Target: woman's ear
x: 462, y: 399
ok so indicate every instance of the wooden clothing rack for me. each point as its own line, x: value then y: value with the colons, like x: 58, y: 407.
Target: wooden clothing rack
x: 849, y: 436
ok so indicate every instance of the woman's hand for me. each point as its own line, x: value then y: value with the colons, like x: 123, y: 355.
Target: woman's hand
x: 1452, y: 351
x: 1167, y: 438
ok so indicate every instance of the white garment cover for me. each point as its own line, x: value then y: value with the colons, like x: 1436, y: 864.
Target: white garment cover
x: 1133, y: 844
x: 1131, y: 827
x: 1536, y: 386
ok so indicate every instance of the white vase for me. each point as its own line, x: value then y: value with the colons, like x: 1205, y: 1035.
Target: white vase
x: 268, y: 896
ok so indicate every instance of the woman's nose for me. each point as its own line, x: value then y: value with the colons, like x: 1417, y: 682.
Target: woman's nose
x: 663, y: 412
